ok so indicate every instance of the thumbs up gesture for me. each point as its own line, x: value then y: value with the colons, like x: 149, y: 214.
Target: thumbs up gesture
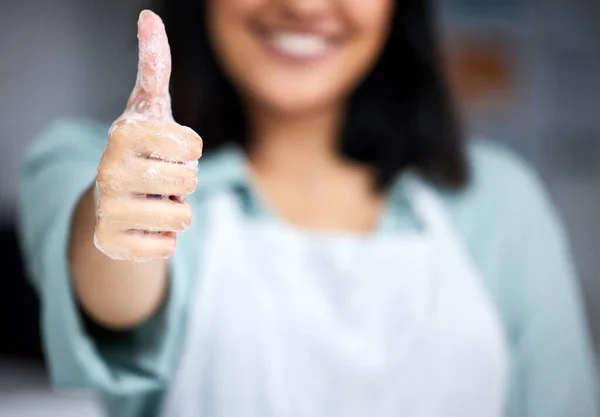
x: 149, y: 164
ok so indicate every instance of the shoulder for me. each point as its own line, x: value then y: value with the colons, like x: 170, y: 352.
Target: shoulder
x: 504, y: 188
x: 505, y: 211
x: 494, y: 165
x: 66, y: 139
x: 501, y: 174
x: 76, y: 131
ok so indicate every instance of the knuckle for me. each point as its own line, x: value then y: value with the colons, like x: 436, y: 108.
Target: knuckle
x: 125, y: 134
x: 195, y: 147
x: 101, y: 176
x: 117, y: 125
x: 105, y: 172
x: 102, y: 218
x: 189, y: 187
x: 107, y: 179
x: 100, y: 238
x: 169, y: 247
x: 105, y: 242
x: 107, y: 213
x: 137, y: 253
x: 189, y: 182
x: 192, y: 143
x: 184, y: 219
x: 101, y: 226
x: 118, y: 133
x: 102, y: 193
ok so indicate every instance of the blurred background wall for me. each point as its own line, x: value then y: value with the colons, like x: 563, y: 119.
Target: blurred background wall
x: 527, y: 73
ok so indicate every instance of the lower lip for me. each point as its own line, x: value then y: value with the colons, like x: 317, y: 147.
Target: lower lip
x: 292, y: 58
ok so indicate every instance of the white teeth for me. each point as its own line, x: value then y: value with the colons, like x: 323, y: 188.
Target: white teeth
x: 301, y: 45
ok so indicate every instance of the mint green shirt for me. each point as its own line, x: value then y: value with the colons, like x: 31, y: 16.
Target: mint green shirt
x: 504, y: 217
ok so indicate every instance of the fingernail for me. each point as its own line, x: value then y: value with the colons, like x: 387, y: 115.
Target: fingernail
x: 144, y: 13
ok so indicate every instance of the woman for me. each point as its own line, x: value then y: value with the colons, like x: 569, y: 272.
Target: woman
x: 349, y: 255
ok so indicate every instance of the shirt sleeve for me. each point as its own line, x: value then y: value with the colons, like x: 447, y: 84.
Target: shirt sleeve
x: 58, y: 168
x: 553, y: 358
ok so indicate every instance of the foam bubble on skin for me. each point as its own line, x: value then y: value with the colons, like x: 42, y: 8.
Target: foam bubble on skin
x: 150, y: 97
x: 112, y: 129
x: 119, y: 180
x: 97, y: 199
x: 180, y: 141
x: 149, y: 101
x: 160, y: 108
x: 184, y: 226
x: 153, y: 63
x: 170, y: 160
x: 127, y: 118
x: 151, y: 94
x: 143, y: 108
x: 150, y: 175
x: 193, y: 165
x: 105, y: 251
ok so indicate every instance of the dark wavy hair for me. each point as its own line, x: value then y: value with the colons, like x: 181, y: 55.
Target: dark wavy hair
x: 401, y: 116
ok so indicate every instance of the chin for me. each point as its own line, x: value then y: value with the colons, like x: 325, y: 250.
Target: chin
x: 295, y: 107
x: 294, y: 100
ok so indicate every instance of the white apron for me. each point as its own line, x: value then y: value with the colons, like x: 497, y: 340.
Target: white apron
x: 293, y: 324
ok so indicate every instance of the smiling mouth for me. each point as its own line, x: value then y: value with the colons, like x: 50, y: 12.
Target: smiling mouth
x: 297, y: 46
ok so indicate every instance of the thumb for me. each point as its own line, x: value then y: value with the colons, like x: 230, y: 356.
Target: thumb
x: 151, y: 93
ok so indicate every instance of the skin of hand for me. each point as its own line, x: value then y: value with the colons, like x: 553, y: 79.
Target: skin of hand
x: 149, y: 164
x: 125, y: 225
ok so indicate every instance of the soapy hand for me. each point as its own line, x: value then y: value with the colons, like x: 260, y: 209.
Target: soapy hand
x: 149, y: 164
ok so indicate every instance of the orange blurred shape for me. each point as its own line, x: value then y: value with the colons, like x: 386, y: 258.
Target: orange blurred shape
x: 480, y: 69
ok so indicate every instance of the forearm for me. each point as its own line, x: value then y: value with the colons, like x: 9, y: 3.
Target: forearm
x: 116, y: 294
